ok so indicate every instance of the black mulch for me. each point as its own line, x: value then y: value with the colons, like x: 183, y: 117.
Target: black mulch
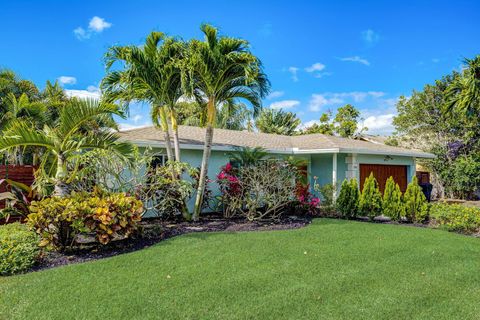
x: 153, y: 231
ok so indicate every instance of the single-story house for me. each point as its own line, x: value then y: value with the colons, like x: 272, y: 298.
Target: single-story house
x: 331, y: 159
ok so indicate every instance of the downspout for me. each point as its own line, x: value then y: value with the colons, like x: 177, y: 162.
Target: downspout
x: 334, y: 176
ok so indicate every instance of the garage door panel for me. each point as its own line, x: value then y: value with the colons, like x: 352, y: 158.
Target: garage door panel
x: 382, y: 173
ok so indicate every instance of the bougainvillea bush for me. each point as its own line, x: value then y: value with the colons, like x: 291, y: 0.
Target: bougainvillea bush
x: 257, y: 192
x: 107, y: 216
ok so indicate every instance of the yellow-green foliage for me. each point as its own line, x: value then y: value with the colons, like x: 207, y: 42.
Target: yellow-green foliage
x: 393, y: 206
x: 59, y: 220
x: 347, y: 202
x: 18, y: 248
x: 416, y: 206
x: 455, y: 217
x: 371, y: 199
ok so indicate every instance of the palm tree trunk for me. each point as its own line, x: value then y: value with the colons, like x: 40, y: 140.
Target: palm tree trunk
x: 61, y: 188
x: 176, y: 142
x: 207, y: 149
x: 166, y: 133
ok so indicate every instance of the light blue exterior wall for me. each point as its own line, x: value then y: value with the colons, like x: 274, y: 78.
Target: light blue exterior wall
x: 319, y: 165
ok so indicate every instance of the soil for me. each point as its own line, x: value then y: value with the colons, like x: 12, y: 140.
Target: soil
x: 152, y: 231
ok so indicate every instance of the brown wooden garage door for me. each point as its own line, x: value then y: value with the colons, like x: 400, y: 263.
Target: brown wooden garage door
x: 382, y: 173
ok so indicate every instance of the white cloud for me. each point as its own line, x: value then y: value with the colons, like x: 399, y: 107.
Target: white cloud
x: 315, y: 67
x: 293, y: 71
x: 275, y: 94
x: 356, y: 59
x: 92, y: 92
x: 81, y: 34
x: 67, y: 80
x: 370, y: 36
x: 137, y: 118
x: 96, y: 25
x: 128, y: 126
x: 379, y: 124
x: 284, y: 104
x: 320, y: 100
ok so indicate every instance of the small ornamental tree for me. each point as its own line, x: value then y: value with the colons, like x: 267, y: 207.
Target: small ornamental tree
x: 416, y: 206
x: 347, y: 202
x: 393, y: 206
x: 370, y: 204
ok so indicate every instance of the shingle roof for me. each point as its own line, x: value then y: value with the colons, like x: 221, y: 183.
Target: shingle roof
x: 193, y: 138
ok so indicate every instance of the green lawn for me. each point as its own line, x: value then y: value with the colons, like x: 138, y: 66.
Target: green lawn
x: 330, y: 270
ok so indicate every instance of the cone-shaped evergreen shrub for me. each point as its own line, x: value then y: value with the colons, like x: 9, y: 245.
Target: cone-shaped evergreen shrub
x: 416, y: 206
x: 347, y: 202
x: 393, y: 206
x: 371, y: 199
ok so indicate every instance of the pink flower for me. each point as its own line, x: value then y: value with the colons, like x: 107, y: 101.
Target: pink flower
x: 228, y: 167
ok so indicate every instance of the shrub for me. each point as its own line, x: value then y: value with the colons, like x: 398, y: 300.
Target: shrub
x: 371, y: 199
x: 393, y: 206
x: 165, y: 193
x: 347, y: 202
x: 257, y: 192
x: 455, y: 217
x: 18, y: 248
x: 416, y: 206
x: 59, y: 220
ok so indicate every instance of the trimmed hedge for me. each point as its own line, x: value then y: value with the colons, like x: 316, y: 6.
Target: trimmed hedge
x: 18, y: 248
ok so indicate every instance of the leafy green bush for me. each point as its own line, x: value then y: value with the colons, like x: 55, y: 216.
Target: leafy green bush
x: 393, y: 206
x: 416, y: 206
x: 18, y: 248
x: 455, y: 217
x: 347, y: 202
x: 59, y: 220
x: 370, y: 204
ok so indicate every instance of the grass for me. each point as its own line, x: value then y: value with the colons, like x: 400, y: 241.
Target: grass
x: 332, y: 269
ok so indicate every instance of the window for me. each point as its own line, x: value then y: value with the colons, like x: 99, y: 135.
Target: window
x: 158, y: 160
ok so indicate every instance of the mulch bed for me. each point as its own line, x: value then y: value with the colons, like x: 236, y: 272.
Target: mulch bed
x: 154, y: 231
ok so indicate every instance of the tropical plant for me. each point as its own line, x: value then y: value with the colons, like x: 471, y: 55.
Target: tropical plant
x: 245, y: 156
x: 15, y: 199
x: 348, y: 199
x: 277, y: 121
x: 258, y: 192
x: 217, y: 70
x: 18, y: 248
x: 370, y: 204
x: 149, y: 73
x: 464, y: 93
x: 65, y: 141
x: 393, y: 206
x: 416, y: 206
x: 59, y: 221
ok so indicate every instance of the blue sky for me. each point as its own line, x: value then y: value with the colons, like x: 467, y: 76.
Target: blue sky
x: 318, y: 55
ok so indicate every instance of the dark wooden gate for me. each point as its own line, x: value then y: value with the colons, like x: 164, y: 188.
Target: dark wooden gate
x: 382, y: 172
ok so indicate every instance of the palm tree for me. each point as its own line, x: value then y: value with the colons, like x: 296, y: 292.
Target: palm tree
x: 277, y: 121
x: 219, y: 69
x: 464, y: 92
x: 245, y: 156
x: 231, y: 115
x: 65, y: 140
x: 150, y: 73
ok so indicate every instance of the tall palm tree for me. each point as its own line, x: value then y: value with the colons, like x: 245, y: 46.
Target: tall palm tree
x: 277, y: 121
x: 66, y: 140
x: 149, y: 73
x: 21, y: 108
x: 464, y: 92
x: 219, y: 69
